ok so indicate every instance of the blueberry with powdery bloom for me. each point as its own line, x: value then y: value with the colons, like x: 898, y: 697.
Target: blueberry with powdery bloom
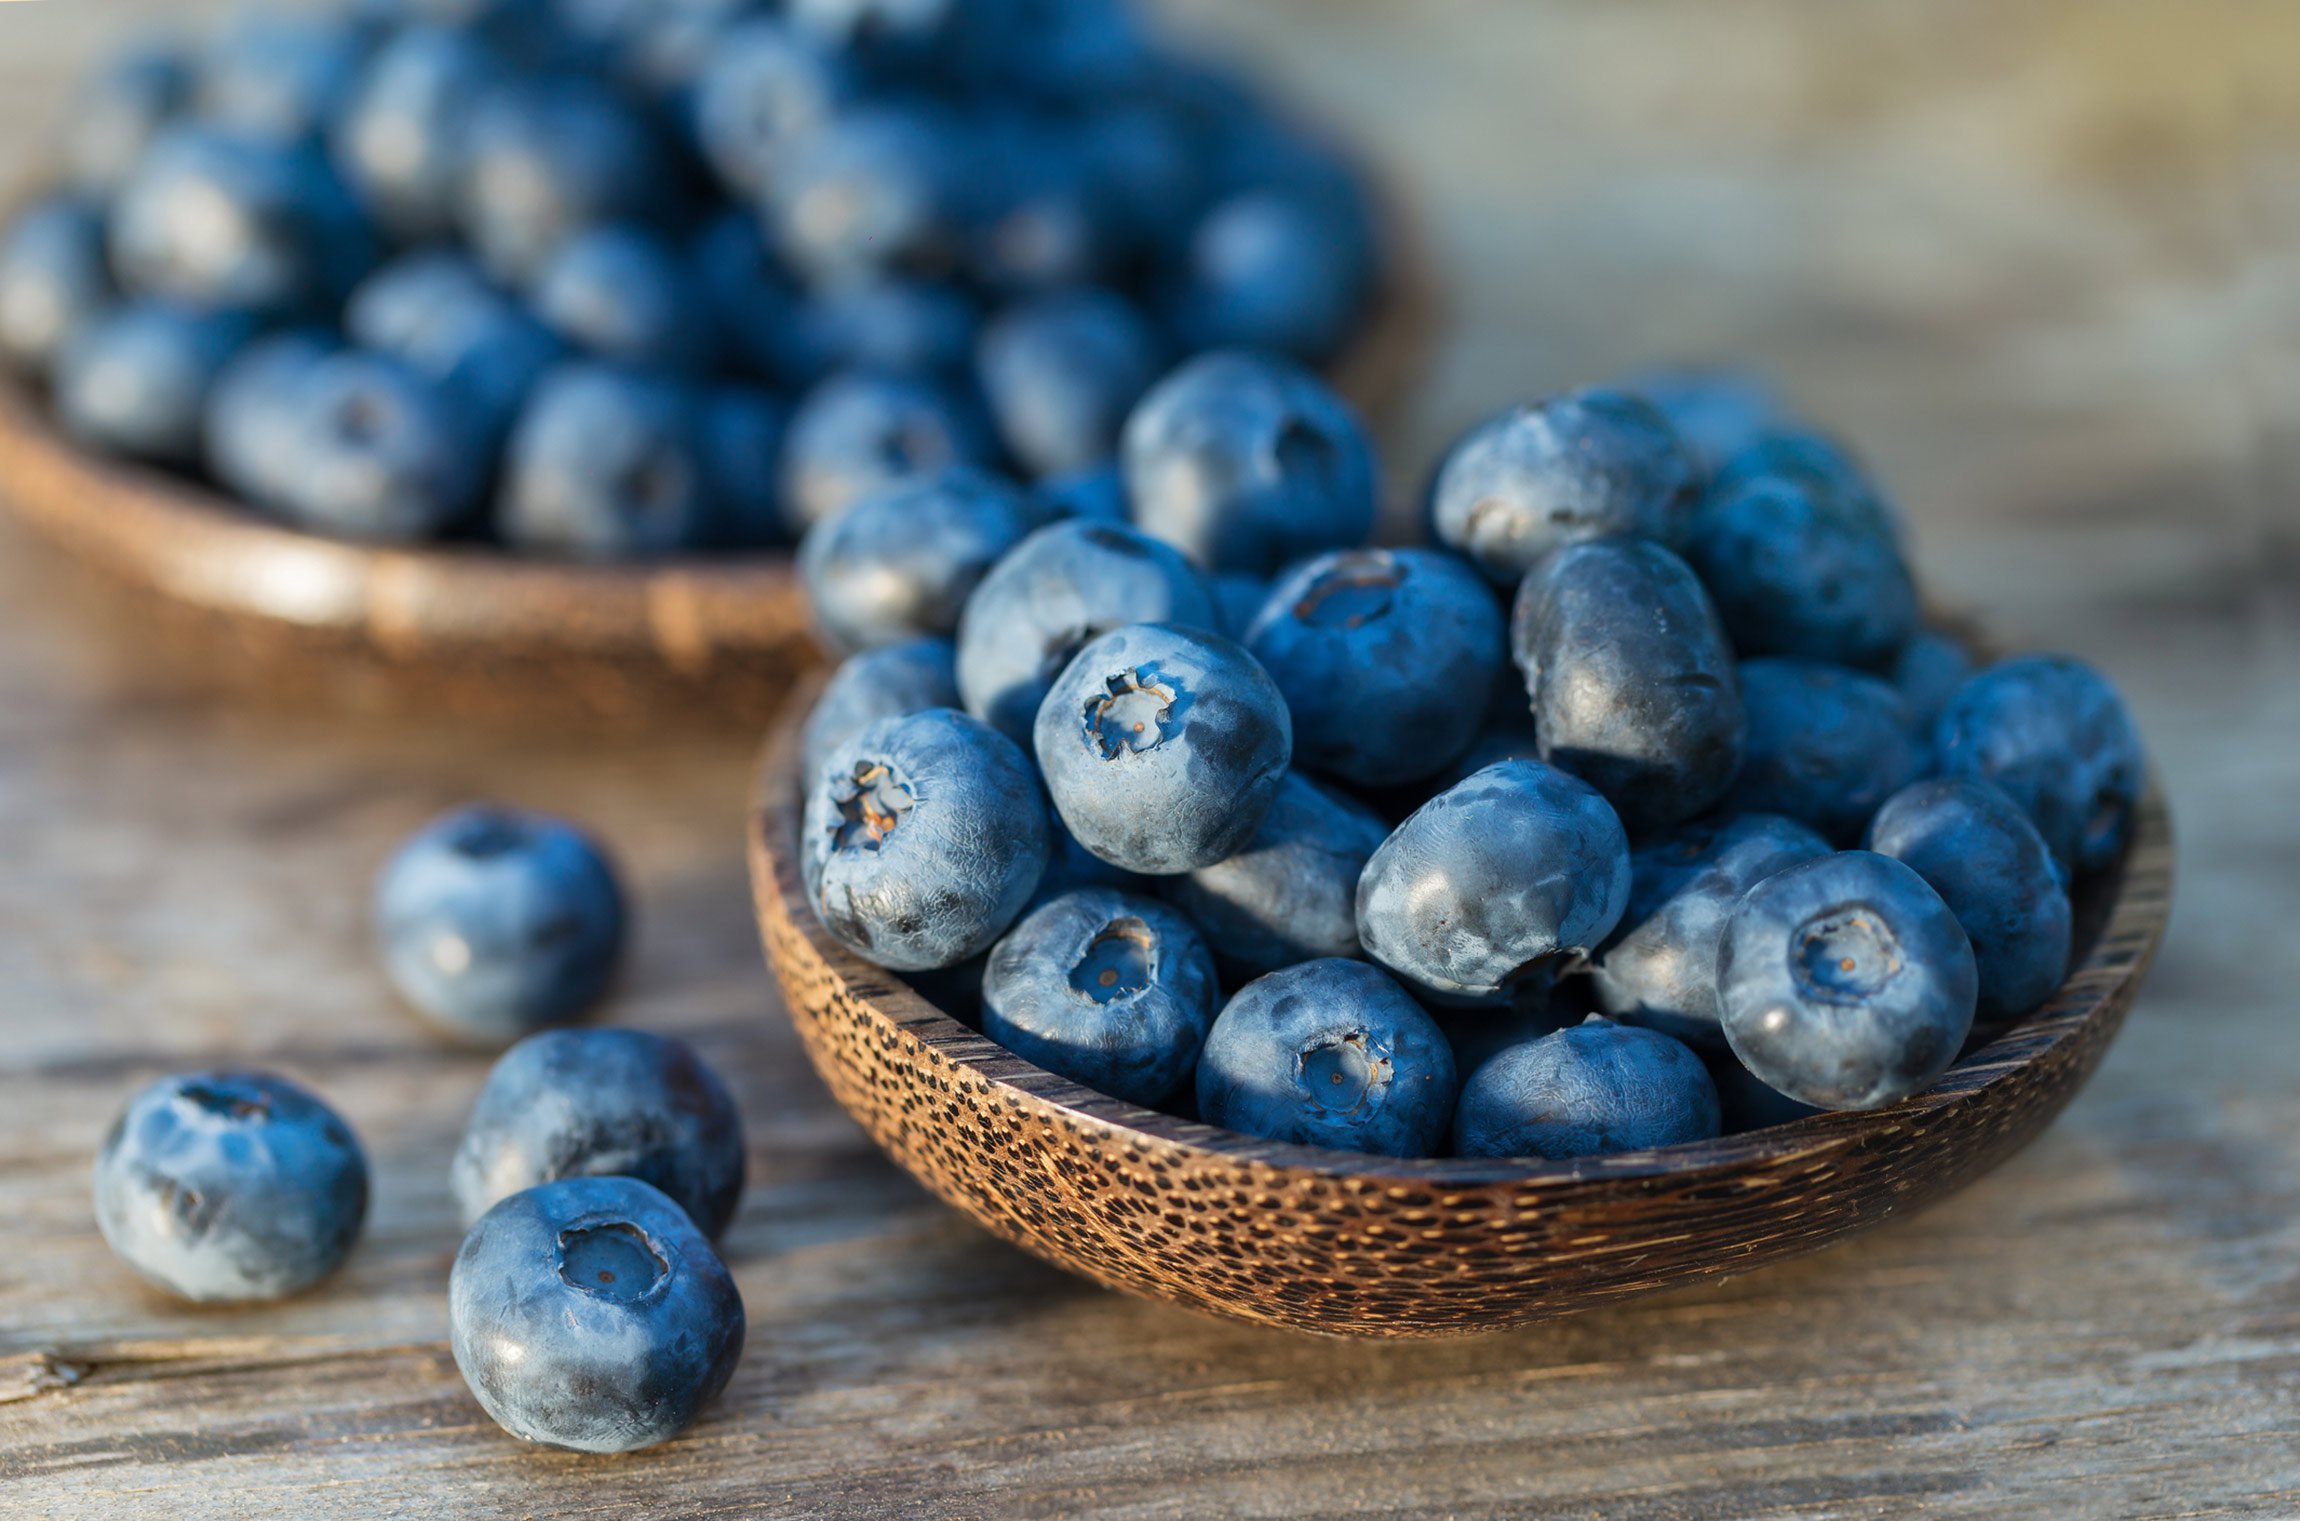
x: 1660, y: 968
x: 55, y: 279
x: 1589, y: 464
x: 1496, y: 879
x: 1291, y: 893
x: 1035, y: 223
x: 859, y: 431
x: 892, y: 325
x: 605, y: 464
x: 385, y: 455
x: 399, y: 142
x: 1109, y: 989
x: 230, y: 1186
x: 438, y: 313
x: 1066, y: 585
x: 622, y: 293
x: 281, y: 74
x: 1928, y: 671
x: 1329, y: 1053
x: 545, y: 158
x: 136, y: 380
x: 1163, y: 747
x: 1846, y: 982
x: 1247, y: 462
x: 117, y: 112
x: 1631, y: 681
x: 252, y: 429
x: 2053, y: 733
x: 923, y: 838
x: 1061, y: 372
x: 1826, y: 745
x: 765, y: 88
x: 1718, y: 413
x: 1821, y: 464
x: 1373, y: 649
x: 1980, y: 852
x: 1275, y: 269
x: 902, y: 561
x: 888, y: 682
x: 874, y: 189
x: 1097, y: 495
x: 1795, y: 570
x: 1593, y: 1090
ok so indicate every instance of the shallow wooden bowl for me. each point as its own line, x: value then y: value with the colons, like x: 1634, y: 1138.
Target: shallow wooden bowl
x: 1335, y: 1242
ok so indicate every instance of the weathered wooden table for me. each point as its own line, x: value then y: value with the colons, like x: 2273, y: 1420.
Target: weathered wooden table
x: 2036, y: 254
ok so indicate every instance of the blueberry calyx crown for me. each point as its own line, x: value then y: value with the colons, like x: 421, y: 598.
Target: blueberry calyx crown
x: 872, y: 805
x: 1846, y: 955
x: 611, y: 1260
x: 1347, y: 1076
x: 1139, y: 707
x: 1120, y: 961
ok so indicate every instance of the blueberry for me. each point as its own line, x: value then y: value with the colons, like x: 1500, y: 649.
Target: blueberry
x: 1238, y: 599
x: 383, y: 454
x: 1291, y: 893
x: 601, y: 1103
x: 1826, y: 745
x: 1660, y: 968
x: 1106, y: 988
x: 909, y: 40
x: 1718, y: 413
x: 903, y: 560
x: 1821, y: 465
x: 281, y: 74
x: 1592, y: 1090
x: 135, y: 381
x: 888, y: 682
x: 1796, y: 571
x: 891, y: 324
x: 546, y: 158
x: 1499, y: 877
x: 118, y: 110
x: 1745, y: 1101
x: 1070, y: 866
x: 874, y: 188
x: 1329, y: 1053
x: 1066, y: 585
x: 1845, y: 982
x: 765, y: 88
x: 399, y: 143
x: 742, y: 431
x: 1247, y: 462
x: 252, y: 430
x: 437, y: 312
x: 1976, y: 848
x: 1280, y: 271
x: 2053, y: 733
x: 1163, y: 747
x: 924, y: 837
x: 1541, y: 1006
x: 1928, y: 671
x: 860, y: 431
x: 1034, y: 221
x: 1144, y: 156
x: 590, y: 1313
x: 496, y: 923
x: 54, y: 280
x: 752, y: 302
x: 605, y: 464
x: 1585, y: 465
x: 1061, y: 372
x: 1632, y: 683
x: 622, y: 293
x: 1374, y: 649
x: 1097, y: 495
x: 230, y: 1186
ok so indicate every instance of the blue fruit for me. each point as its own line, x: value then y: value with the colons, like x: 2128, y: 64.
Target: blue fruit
x: 1745, y: 1101
x: 859, y: 432
x: 892, y: 325
x: 2053, y: 733
x: 1820, y: 464
x: 1826, y: 745
x: 1797, y: 569
x: 1928, y: 671
x: 590, y: 1313
x: 1329, y: 1053
x: 605, y: 464
x: 382, y: 454
x: 545, y: 158
x: 741, y: 437
x: 1291, y: 893
x: 1163, y: 747
x: 764, y: 90
x: 1586, y: 465
x: 1070, y: 866
x: 902, y: 561
x: 496, y: 923
x: 1384, y: 657
x: 1035, y: 223
x: 1592, y: 1090
x: 1541, y: 1006
x: 753, y: 303
x: 603, y: 1103
x: 1975, y: 847
x: 135, y: 381
x: 1062, y: 371
x: 1845, y: 982
x: 1718, y: 413
x: 1280, y: 271
x: 923, y: 838
x: 622, y: 293
x: 1066, y: 585
x: 435, y: 311
x: 1095, y: 496
x: 1496, y: 879
x: 1109, y: 989
x: 54, y: 280
x: 281, y: 74
x: 118, y: 110
x: 1238, y: 599
x: 874, y: 188
x: 399, y: 143
x: 888, y: 682
x: 230, y: 1186
x: 252, y: 431
x: 1247, y: 462
x: 1660, y: 968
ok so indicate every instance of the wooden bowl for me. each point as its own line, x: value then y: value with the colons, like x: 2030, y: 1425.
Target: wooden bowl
x: 1334, y: 1242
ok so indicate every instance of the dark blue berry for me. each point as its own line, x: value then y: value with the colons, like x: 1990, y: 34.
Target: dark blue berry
x: 135, y: 381
x: 1928, y: 671
x: 622, y: 293
x: 2053, y: 733
x: 903, y: 560
x: 1062, y: 371
x: 383, y: 454
x: 545, y: 158
x: 252, y: 431
x: 437, y: 312
x: 1277, y: 270
x: 605, y: 464
x: 1591, y: 1090
x: 1796, y: 570
x: 860, y: 431
x: 1826, y: 745
x: 889, y: 682
x: 1291, y: 893
x: 399, y: 143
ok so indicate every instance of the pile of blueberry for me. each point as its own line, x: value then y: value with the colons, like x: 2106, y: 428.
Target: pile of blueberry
x: 606, y: 280
x: 1642, y: 807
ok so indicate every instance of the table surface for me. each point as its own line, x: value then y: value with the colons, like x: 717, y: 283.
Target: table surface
x: 2036, y: 255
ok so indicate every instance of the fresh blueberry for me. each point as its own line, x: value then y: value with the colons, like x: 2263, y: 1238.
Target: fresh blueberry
x: 1291, y: 893
x: 435, y: 311
x: 1035, y: 221
x: 399, y: 143
x: 117, y: 112
x: 223, y: 1186
x: 1718, y: 413
x: 1845, y: 982
x: 384, y: 454
x: 752, y: 301
x: 281, y: 74
x: 1631, y: 681
x: 1106, y: 988
x: 1163, y: 747
x: 1070, y: 867
x: 497, y: 923
x: 1826, y: 745
x: 889, y: 682
x: 860, y: 431
x: 1585, y: 465
x: 546, y: 158
x: 1821, y: 465
x: 1980, y: 852
x: 1280, y: 271
x: 1660, y: 968
x: 1745, y: 1101
x: 1374, y: 649
x: 590, y: 1313
x: 2054, y: 734
x: 1238, y: 599
x: 54, y: 280
x: 623, y: 294
x: 1066, y: 585
x: 1930, y: 668
x: 253, y: 427
x: 1247, y: 462
x: 1497, y: 878
x: 1144, y: 155
x: 1061, y: 372
x: 742, y: 442
x: 1094, y: 496
x: 874, y: 188
x: 135, y: 381
x: 890, y: 324
x: 603, y: 1103
x: 1329, y: 1053
x: 1796, y: 571
x: 766, y: 87
x: 925, y: 836
x: 1541, y: 1006
x: 1590, y: 1090
x: 902, y: 561
x: 605, y: 464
